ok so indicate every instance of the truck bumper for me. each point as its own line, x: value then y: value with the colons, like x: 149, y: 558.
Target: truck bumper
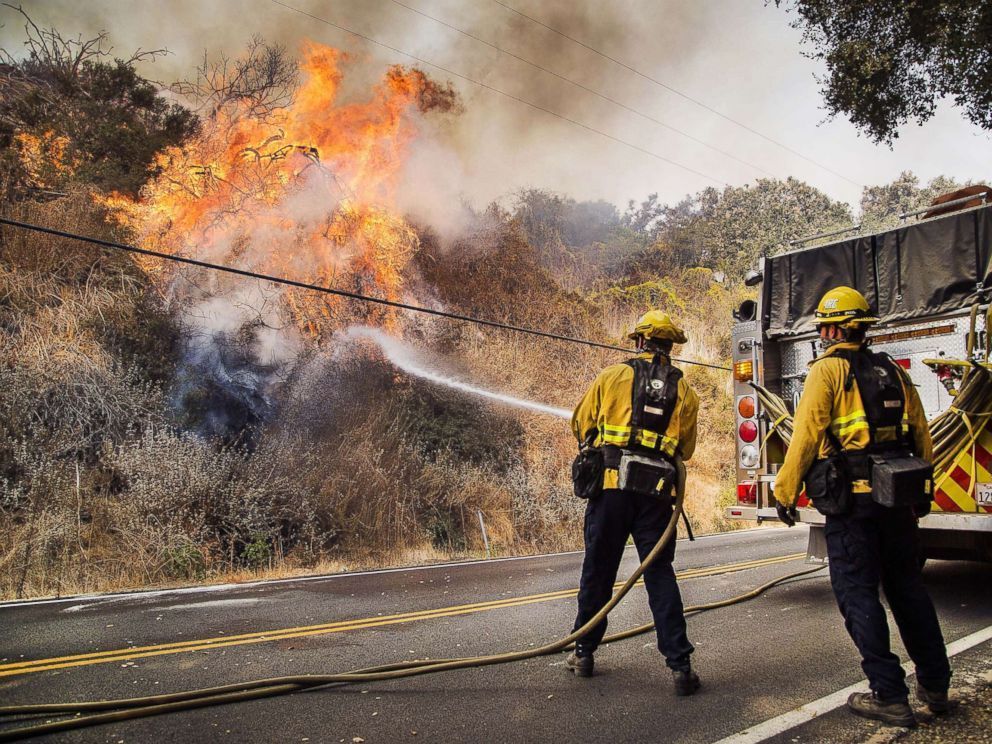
x: 957, y: 521
x: 933, y: 521
x: 766, y: 514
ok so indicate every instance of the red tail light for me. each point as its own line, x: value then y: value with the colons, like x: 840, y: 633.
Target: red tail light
x: 747, y: 492
x: 748, y: 431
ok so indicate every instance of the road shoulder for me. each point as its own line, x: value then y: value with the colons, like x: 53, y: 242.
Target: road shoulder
x: 971, y: 721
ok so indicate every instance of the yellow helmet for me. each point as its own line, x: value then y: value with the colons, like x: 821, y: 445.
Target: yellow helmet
x: 659, y: 325
x: 845, y: 307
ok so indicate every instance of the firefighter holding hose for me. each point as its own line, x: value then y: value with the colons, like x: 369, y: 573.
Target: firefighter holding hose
x: 863, y: 449
x: 638, y: 417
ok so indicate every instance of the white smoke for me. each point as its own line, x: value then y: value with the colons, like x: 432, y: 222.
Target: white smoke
x: 240, y: 341
x: 238, y: 345
x: 431, y: 188
x: 407, y: 359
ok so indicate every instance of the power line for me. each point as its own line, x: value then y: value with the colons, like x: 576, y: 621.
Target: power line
x: 494, y: 89
x: 584, y: 87
x: 325, y: 290
x: 677, y: 92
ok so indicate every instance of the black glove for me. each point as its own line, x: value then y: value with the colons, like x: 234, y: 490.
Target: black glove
x: 787, y: 514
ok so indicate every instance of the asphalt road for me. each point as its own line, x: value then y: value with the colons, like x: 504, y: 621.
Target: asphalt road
x: 757, y: 660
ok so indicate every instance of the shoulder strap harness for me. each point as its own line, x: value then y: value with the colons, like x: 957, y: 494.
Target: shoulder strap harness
x: 654, y: 395
x: 880, y: 385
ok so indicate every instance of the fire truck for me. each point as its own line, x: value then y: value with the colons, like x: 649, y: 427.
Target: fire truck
x: 930, y: 283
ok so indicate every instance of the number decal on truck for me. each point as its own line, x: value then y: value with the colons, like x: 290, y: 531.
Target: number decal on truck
x: 983, y: 494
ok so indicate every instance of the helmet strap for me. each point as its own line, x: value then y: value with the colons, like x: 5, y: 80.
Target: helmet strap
x: 657, y: 345
x: 854, y: 334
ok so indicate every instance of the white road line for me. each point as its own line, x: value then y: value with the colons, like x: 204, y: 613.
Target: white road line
x: 149, y: 593
x: 809, y: 711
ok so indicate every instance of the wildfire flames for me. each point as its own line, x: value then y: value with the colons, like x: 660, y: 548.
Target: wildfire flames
x: 305, y: 192
x: 45, y: 158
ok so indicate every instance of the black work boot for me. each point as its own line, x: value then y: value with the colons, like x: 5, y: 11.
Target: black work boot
x: 580, y: 665
x: 937, y: 702
x: 865, y: 704
x: 686, y: 682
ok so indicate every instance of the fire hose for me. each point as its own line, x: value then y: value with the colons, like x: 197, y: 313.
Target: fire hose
x: 141, y: 707
x: 960, y: 426
x: 962, y: 423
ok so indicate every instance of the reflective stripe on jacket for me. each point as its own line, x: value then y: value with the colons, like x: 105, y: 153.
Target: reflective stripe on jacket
x: 824, y: 403
x: 605, y: 410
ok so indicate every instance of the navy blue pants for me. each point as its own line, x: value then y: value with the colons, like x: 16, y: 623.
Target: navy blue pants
x: 875, y: 545
x: 610, y: 520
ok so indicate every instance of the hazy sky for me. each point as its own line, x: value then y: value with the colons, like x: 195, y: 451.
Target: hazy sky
x: 737, y: 56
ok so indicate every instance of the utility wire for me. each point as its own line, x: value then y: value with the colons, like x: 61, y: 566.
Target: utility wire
x: 586, y: 88
x: 677, y: 92
x: 326, y: 290
x: 494, y: 89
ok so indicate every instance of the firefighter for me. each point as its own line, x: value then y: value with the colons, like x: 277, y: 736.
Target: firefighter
x: 643, y: 415
x: 868, y: 542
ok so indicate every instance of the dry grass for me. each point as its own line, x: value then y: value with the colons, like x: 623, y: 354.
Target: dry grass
x: 361, y: 467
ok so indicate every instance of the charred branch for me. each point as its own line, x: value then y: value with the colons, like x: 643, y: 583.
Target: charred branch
x: 262, y: 81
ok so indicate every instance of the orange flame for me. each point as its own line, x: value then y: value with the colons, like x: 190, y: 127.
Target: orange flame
x: 45, y: 158
x: 305, y: 193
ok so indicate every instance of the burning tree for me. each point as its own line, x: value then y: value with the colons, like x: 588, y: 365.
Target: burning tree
x: 304, y: 189
x: 282, y: 180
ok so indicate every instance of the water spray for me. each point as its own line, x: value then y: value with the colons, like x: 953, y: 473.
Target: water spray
x: 406, y: 358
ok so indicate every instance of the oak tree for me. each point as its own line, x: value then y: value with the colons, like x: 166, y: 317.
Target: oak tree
x: 891, y: 61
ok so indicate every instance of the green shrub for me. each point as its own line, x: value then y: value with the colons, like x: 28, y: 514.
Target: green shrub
x: 256, y: 553
x: 183, y: 561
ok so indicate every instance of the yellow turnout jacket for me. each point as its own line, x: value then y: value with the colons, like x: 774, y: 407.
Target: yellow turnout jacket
x: 605, y: 410
x: 824, y: 403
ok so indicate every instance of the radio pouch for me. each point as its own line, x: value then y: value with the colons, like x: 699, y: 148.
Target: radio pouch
x: 645, y: 475
x: 587, y: 473
x: 828, y: 486
x: 828, y: 481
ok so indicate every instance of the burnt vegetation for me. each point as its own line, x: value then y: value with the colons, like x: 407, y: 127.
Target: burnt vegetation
x: 261, y: 80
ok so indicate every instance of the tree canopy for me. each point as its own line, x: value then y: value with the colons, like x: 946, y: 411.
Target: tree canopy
x: 70, y: 113
x: 882, y: 205
x: 891, y: 61
x: 729, y: 229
